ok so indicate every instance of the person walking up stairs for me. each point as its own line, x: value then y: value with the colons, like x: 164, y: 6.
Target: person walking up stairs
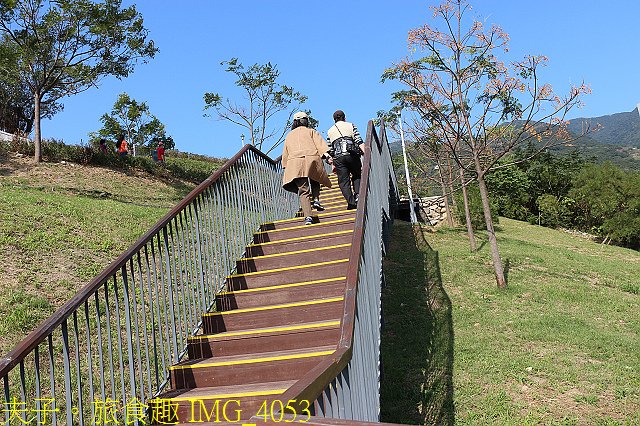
x: 304, y: 149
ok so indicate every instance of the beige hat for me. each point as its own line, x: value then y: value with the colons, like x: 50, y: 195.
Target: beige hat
x: 299, y: 115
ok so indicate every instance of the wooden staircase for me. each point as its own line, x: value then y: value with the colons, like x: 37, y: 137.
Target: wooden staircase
x: 278, y: 318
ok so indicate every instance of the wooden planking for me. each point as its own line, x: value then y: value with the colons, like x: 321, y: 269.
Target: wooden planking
x: 278, y: 319
x: 297, y: 336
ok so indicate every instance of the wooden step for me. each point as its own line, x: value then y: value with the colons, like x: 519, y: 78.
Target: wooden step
x: 332, y: 199
x: 325, y: 216
x: 299, y: 336
x: 329, y: 210
x: 335, y: 189
x: 322, y: 227
x: 273, y: 315
x: 337, y: 209
x: 279, y: 317
x: 279, y: 294
x: 214, y: 404
x: 300, y: 243
x: 288, y: 275
x: 293, y: 258
x: 248, y: 368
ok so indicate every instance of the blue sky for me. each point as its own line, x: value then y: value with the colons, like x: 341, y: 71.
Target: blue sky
x: 335, y: 51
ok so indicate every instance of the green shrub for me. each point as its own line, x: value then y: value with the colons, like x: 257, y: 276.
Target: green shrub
x: 191, y: 167
x: 510, y: 189
x: 554, y: 211
x: 607, y: 202
x: 54, y: 150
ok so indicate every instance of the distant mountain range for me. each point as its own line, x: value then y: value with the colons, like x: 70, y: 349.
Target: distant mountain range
x: 614, y: 138
x: 622, y: 129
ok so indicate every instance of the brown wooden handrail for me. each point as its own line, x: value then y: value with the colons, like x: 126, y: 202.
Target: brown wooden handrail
x: 37, y: 336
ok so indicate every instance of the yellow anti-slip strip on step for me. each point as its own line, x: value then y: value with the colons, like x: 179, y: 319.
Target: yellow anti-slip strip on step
x: 252, y: 360
x: 282, y: 306
x: 224, y: 396
x: 288, y: 268
x: 281, y: 286
x: 287, y: 253
x: 306, y: 237
x: 331, y: 203
x: 333, y: 199
x: 329, y: 222
x: 325, y: 324
x: 301, y: 218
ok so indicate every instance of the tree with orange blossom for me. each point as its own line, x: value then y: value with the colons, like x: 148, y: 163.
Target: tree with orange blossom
x: 486, y: 107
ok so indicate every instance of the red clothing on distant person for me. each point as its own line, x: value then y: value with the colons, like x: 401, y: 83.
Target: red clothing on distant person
x: 161, y: 153
x: 123, y: 148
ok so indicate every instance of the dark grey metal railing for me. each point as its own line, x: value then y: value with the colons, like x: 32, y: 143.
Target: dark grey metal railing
x: 104, y: 353
x: 347, y: 386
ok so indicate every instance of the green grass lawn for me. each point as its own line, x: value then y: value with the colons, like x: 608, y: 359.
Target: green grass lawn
x: 561, y: 345
x: 60, y: 225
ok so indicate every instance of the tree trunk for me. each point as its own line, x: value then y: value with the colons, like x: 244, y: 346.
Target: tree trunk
x: 467, y: 213
x: 443, y: 186
x: 37, y: 137
x: 446, y: 205
x: 450, y: 170
x: 486, y: 208
x: 495, y: 253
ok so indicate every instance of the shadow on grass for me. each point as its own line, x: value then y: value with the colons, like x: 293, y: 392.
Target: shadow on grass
x: 417, y: 335
x: 507, y: 265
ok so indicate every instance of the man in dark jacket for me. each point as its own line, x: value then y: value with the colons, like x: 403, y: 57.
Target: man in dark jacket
x: 346, y: 147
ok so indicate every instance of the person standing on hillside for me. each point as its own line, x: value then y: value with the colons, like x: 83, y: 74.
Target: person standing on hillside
x: 346, y: 149
x: 103, y: 147
x: 160, y: 151
x: 304, y: 149
x: 123, y: 147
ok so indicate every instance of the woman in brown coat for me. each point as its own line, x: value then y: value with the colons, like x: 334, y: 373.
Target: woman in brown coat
x: 302, y: 156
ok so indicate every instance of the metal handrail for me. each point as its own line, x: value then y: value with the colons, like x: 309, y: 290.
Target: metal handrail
x: 146, y: 302
x: 339, y: 387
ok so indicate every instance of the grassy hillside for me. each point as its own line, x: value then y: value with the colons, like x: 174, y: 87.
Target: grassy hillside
x: 560, y: 346
x: 60, y: 224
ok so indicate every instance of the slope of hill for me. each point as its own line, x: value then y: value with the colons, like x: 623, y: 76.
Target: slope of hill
x: 61, y: 224
x: 559, y: 346
x: 621, y: 129
x: 614, y: 138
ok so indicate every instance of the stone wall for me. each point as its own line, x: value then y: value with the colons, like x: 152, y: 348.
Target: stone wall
x: 431, y: 210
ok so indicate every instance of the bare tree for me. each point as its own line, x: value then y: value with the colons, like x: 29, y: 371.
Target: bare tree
x: 428, y: 140
x: 487, y: 106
